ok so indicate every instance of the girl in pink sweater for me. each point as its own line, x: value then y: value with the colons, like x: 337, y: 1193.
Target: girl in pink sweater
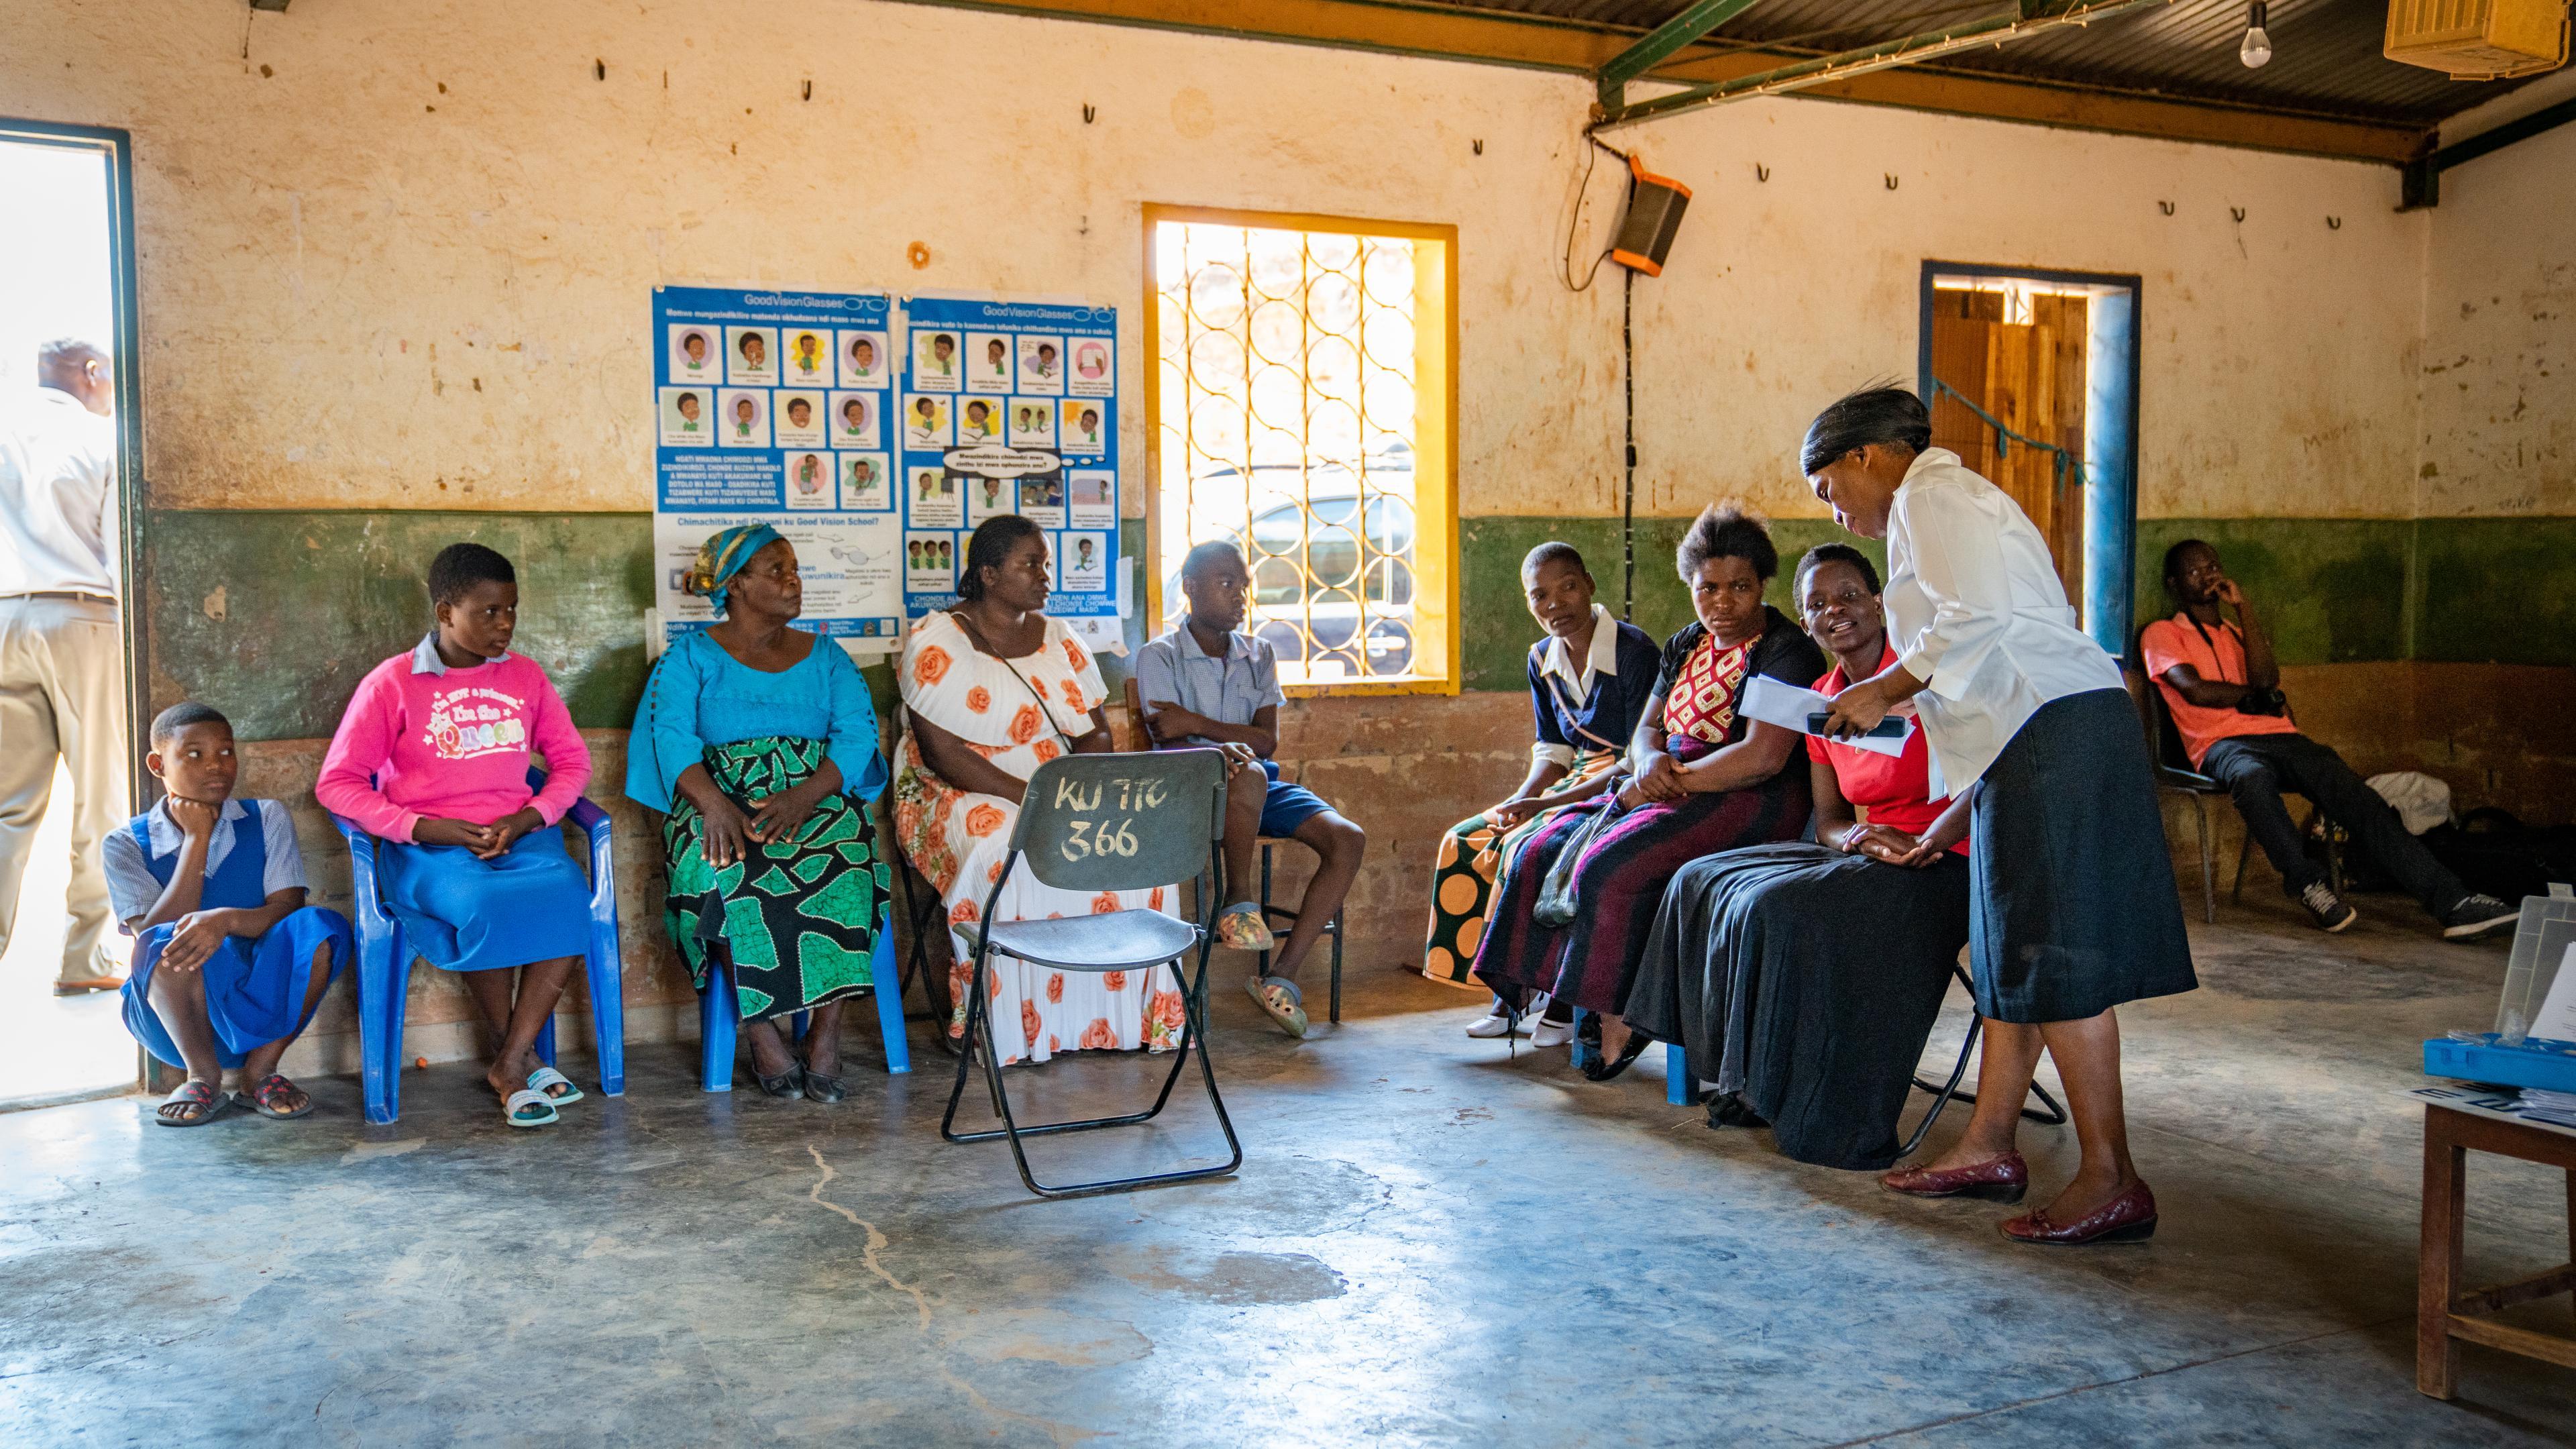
x: 432, y: 759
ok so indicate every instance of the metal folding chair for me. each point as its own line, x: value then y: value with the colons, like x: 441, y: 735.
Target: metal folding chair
x: 1091, y: 823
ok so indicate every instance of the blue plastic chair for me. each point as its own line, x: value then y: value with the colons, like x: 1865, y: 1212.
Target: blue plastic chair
x: 720, y: 1016
x: 384, y: 966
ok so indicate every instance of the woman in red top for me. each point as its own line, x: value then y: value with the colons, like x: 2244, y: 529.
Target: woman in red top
x: 1803, y: 979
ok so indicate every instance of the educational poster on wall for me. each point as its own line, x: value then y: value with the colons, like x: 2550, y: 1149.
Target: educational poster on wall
x: 1012, y: 407
x: 774, y: 407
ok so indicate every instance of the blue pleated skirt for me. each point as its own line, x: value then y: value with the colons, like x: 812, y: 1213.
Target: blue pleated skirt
x: 464, y: 914
x: 254, y: 989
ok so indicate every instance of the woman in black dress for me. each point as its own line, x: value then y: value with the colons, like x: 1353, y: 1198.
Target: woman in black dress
x: 1803, y: 978
x: 2074, y: 910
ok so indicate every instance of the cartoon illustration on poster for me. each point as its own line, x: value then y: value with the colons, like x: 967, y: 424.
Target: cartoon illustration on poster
x: 747, y: 421
x: 997, y: 395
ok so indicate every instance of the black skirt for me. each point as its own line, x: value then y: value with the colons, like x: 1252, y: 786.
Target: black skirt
x: 1805, y: 980
x: 2075, y: 909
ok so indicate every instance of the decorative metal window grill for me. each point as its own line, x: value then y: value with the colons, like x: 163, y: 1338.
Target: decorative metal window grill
x: 1287, y: 407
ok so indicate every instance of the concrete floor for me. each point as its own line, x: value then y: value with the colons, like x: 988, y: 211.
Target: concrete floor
x: 1428, y: 1244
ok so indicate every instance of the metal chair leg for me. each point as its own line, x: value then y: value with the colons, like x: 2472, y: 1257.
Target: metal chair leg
x: 2208, y: 868
x: 1336, y: 929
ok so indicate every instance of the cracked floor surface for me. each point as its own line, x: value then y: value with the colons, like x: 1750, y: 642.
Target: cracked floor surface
x: 1430, y: 1242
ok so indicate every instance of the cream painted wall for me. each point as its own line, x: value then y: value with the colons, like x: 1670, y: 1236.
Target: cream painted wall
x: 2499, y: 371
x: 409, y: 266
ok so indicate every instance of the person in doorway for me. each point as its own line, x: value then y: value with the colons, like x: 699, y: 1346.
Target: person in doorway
x: 757, y: 743
x: 992, y: 689
x: 1702, y: 776
x: 432, y: 759
x: 1205, y: 683
x: 229, y: 962
x: 62, y: 654
x: 2223, y: 689
x: 2073, y: 910
x: 1590, y: 676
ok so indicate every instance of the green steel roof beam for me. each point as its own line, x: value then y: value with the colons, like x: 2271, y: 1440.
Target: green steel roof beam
x: 1999, y: 30
x: 1660, y: 44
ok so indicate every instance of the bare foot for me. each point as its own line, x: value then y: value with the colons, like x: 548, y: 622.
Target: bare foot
x: 510, y: 1074
x: 1615, y: 1032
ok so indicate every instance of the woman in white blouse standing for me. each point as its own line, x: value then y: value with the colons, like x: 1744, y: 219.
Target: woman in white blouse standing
x: 2074, y: 910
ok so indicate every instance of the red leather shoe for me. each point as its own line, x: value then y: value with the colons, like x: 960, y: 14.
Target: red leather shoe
x: 2128, y: 1218
x: 1997, y: 1179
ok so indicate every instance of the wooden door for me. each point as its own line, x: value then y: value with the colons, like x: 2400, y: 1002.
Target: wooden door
x: 2030, y: 377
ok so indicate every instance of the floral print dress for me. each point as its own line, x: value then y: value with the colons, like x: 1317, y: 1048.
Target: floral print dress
x: 1019, y: 715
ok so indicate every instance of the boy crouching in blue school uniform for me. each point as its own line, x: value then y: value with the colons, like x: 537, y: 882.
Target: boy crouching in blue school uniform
x: 1205, y: 684
x: 229, y: 962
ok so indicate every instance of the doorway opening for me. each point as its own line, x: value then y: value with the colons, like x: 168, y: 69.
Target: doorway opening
x: 2032, y: 378
x: 68, y: 273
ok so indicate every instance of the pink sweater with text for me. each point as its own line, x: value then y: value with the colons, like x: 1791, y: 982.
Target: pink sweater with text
x: 453, y: 744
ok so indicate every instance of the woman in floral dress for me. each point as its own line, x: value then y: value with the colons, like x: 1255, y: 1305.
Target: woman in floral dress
x: 993, y: 689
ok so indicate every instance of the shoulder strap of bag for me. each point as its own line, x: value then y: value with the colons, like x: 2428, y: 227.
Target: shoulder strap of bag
x: 1045, y: 710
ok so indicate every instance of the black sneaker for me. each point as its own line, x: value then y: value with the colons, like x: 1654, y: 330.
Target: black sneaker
x: 2326, y: 908
x: 2478, y: 916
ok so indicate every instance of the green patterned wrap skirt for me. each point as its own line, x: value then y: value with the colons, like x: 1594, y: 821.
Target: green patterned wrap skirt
x: 798, y: 917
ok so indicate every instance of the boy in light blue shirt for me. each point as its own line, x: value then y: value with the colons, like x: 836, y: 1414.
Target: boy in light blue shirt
x: 1205, y: 683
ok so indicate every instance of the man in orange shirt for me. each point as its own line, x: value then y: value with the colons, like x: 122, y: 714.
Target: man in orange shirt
x: 2224, y: 689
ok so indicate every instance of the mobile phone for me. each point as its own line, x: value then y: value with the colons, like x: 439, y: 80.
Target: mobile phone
x: 1890, y: 728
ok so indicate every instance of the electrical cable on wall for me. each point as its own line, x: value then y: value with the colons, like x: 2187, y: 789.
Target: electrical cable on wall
x: 1643, y: 239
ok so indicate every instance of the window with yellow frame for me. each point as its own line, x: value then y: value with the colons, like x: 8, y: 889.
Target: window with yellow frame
x: 1301, y: 400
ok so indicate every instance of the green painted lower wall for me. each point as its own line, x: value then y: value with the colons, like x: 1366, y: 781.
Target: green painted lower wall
x: 274, y: 617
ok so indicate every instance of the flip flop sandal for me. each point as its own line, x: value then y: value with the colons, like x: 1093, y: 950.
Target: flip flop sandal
x: 272, y: 1086
x: 544, y: 1078
x: 525, y: 1108
x: 214, y: 1101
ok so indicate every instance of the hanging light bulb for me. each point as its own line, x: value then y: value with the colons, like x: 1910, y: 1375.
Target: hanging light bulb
x: 2256, y: 51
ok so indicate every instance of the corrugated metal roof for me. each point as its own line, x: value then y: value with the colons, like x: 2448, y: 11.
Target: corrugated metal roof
x: 2325, y: 53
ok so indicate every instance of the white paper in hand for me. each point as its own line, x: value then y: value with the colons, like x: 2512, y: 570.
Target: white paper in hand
x: 1788, y: 706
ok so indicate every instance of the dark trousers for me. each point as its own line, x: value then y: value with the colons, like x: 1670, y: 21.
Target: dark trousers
x: 2257, y: 768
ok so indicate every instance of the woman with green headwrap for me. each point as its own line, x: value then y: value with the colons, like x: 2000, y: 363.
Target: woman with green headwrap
x: 759, y: 744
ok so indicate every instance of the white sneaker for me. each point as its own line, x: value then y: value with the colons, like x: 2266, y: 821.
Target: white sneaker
x: 1545, y: 1033
x: 1492, y: 1024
